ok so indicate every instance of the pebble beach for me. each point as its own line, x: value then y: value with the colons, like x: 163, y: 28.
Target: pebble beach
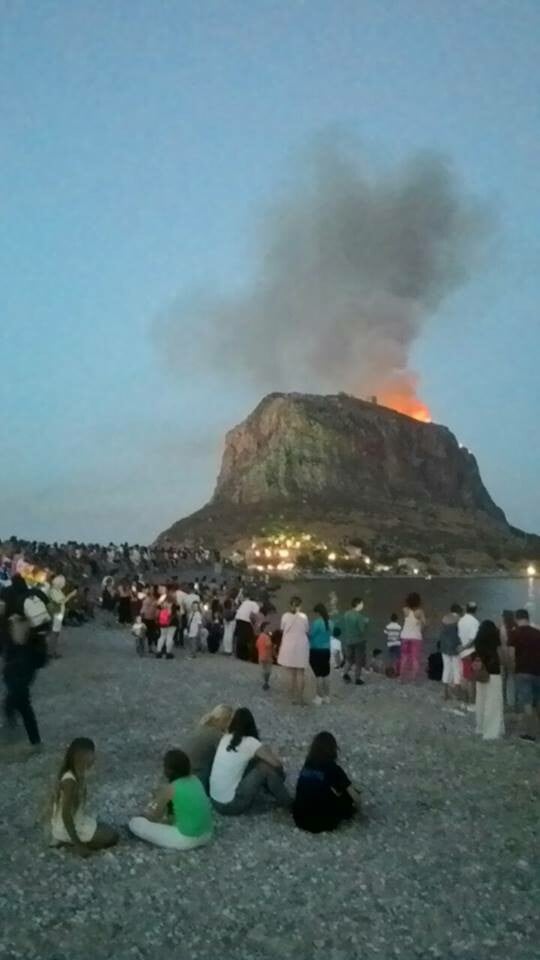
x: 446, y: 866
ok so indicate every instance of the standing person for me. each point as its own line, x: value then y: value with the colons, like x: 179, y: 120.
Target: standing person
x: 191, y: 823
x: 244, y: 634
x: 124, y: 603
x: 353, y: 640
x: 244, y: 768
x: 319, y: 653
x: 468, y: 628
x: 411, y: 638
x: 325, y: 796
x: 507, y: 627
x: 108, y: 600
x: 57, y: 600
x: 229, y: 625
x: 489, y: 697
x: 294, y: 648
x: 168, y: 623
x: 392, y: 632
x: 70, y: 824
x: 524, y: 644
x: 450, y: 645
x: 194, y: 628
x: 25, y: 652
x: 149, y: 614
x: 265, y: 653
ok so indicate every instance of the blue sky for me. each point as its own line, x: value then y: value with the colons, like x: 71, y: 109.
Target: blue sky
x: 141, y: 140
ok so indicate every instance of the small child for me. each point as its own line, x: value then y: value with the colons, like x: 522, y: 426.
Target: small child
x: 392, y: 632
x: 265, y: 653
x: 70, y: 824
x: 376, y: 663
x: 139, y: 631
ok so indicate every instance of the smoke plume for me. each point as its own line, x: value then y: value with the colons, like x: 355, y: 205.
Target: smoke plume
x: 351, y: 264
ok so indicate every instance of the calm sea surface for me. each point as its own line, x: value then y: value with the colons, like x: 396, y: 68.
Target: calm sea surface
x: 386, y: 595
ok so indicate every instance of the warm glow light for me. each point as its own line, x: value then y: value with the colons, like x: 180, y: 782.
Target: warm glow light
x: 267, y: 552
x: 531, y: 570
x: 331, y: 557
x: 367, y: 560
x: 416, y: 571
x: 284, y: 553
x: 257, y: 553
x: 400, y: 395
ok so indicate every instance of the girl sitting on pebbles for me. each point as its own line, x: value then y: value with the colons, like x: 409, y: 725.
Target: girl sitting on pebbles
x: 70, y: 824
x: 180, y: 816
x: 324, y: 794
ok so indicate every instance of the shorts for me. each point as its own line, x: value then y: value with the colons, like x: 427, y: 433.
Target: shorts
x: 319, y: 661
x: 451, y: 670
x: 57, y: 621
x: 527, y: 691
x: 394, y: 653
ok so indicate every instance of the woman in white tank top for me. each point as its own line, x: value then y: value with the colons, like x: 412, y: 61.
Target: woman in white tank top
x: 412, y: 637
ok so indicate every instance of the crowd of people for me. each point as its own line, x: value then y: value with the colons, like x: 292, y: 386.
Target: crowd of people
x: 224, y: 766
x: 83, y: 561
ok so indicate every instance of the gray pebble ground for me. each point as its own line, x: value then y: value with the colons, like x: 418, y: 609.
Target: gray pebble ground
x: 447, y: 867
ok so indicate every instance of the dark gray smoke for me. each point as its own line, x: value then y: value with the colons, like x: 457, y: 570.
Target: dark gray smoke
x: 350, y: 267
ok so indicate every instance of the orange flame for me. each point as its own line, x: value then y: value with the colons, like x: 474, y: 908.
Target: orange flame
x: 403, y: 398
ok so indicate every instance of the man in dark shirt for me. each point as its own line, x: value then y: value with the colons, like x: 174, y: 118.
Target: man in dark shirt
x: 524, y: 642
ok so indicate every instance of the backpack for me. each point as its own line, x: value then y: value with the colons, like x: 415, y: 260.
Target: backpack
x: 35, y: 611
x: 164, y: 617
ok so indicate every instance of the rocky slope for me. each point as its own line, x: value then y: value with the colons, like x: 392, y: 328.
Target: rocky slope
x: 351, y: 468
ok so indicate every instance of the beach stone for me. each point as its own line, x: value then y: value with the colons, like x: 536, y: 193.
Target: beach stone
x: 445, y: 868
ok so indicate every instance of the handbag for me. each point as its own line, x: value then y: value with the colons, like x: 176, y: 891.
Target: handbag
x: 479, y: 672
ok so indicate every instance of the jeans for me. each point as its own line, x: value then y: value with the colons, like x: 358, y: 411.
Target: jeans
x: 18, y: 701
x: 355, y: 655
x: 258, y: 777
x: 166, y: 639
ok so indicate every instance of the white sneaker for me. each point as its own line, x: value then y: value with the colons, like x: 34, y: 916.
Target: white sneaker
x: 471, y: 708
x: 317, y: 701
x: 326, y: 699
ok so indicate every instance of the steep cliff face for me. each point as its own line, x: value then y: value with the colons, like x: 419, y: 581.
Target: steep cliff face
x: 351, y: 468
x: 297, y: 447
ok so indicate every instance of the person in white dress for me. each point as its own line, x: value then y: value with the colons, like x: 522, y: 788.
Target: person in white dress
x: 294, y: 649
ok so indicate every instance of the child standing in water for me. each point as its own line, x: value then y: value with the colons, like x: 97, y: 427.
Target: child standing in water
x: 70, y: 824
x: 265, y: 653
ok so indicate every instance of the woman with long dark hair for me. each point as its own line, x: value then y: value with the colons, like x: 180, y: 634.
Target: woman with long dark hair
x: 325, y: 796
x: 243, y: 768
x: 489, y: 695
x: 71, y: 824
x: 319, y: 652
x: 411, y: 638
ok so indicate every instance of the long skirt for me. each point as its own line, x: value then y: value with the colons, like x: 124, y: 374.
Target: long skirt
x: 411, y: 659
x: 244, y: 636
x: 490, y: 709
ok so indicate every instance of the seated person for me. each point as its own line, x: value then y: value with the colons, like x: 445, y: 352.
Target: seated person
x: 203, y: 742
x: 324, y: 794
x: 180, y: 816
x: 376, y: 662
x: 70, y: 824
x: 244, y: 768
